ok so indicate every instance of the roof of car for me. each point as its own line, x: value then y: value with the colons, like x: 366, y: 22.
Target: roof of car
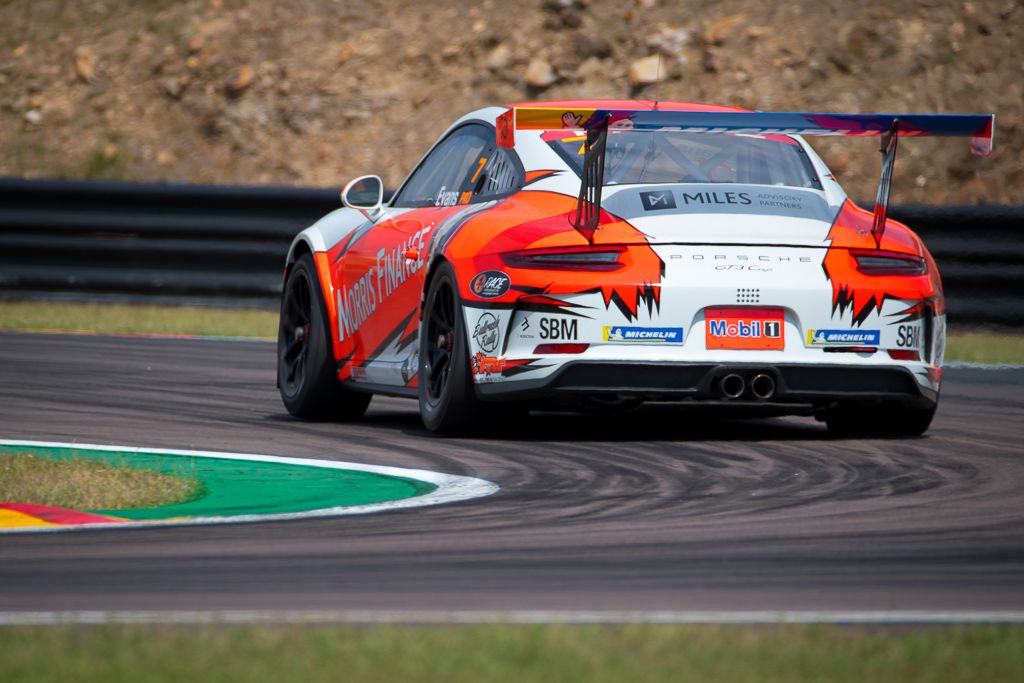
x: 628, y: 105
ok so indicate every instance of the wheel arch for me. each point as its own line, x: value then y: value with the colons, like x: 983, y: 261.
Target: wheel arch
x: 301, y: 245
x: 432, y: 268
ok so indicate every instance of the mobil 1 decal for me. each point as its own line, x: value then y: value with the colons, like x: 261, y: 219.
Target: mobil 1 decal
x: 745, y: 328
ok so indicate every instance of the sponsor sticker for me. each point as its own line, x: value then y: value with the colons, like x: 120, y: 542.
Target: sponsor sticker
x: 745, y: 328
x: 843, y: 337
x: 486, y: 333
x: 487, y: 368
x: 526, y: 329
x: 662, y: 199
x: 559, y: 328
x: 490, y: 284
x: 908, y: 336
x: 646, y: 335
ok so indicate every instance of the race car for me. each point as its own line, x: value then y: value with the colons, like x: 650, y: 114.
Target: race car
x: 599, y: 254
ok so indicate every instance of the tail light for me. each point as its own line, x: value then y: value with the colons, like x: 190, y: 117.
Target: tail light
x: 878, y: 262
x: 561, y: 348
x: 571, y: 258
x: 904, y: 354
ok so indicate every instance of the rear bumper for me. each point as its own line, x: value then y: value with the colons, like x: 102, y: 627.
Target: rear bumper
x: 794, y: 383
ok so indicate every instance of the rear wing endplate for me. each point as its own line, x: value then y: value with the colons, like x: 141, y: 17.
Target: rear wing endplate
x: 596, y: 122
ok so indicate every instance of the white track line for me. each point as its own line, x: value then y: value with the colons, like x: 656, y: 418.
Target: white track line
x: 450, y: 488
x: 508, y: 617
x: 968, y: 365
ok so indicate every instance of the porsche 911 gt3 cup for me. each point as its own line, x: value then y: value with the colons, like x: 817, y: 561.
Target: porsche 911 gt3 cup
x: 614, y: 252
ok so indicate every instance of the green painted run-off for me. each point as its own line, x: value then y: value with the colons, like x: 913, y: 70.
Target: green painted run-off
x: 246, y: 487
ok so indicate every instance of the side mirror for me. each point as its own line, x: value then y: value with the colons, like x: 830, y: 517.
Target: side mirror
x: 365, y: 193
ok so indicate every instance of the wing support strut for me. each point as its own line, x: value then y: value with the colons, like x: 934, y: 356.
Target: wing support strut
x: 588, y: 208
x: 888, y: 150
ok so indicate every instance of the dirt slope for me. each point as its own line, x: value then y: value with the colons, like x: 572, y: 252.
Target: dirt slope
x: 312, y: 92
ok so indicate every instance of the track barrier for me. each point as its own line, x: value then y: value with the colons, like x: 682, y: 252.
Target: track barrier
x: 199, y: 242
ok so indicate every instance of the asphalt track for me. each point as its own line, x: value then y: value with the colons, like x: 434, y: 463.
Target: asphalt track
x: 657, y: 510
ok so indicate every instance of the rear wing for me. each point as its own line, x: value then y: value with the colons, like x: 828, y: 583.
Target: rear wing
x: 596, y: 122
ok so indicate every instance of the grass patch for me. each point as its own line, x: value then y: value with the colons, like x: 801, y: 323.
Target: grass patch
x: 973, y: 346
x: 985, y: 347
x: 89, y: 485
x: 519, y: 654
x: 136, y: 319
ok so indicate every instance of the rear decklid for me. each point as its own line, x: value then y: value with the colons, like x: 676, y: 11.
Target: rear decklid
x: 716, y: 213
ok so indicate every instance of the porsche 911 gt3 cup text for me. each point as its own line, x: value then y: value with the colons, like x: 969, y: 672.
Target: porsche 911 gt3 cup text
x: 843, y: 337
x: 755, y: 257
x: 486, y: 333
x: 649, y: 335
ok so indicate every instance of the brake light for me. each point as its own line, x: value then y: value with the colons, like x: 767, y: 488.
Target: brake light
x: 904, y: 354
x: 878, y: 262
x: 571, y: 258
x: 561, y: 348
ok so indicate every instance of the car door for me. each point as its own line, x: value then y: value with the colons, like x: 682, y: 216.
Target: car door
x: 382, y: 272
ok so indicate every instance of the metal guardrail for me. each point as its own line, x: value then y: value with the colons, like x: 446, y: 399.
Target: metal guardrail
x: 200, y: 242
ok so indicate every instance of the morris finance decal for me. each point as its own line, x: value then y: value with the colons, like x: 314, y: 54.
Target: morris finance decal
x: 358, y: 302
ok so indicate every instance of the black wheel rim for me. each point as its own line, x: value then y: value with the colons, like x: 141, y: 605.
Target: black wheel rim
x: 440, y: 340
x: 293, y: 342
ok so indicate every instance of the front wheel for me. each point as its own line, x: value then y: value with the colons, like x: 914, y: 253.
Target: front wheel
x: 448, y: 401
x: 883, y: 419
x: 307, y: 375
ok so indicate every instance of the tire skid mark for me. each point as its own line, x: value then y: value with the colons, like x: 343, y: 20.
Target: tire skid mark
x: 656, y: 508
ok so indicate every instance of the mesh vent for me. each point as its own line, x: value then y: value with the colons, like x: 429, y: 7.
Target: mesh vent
x: 748, y: 296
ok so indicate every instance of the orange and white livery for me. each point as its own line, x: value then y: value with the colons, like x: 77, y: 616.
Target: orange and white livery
x: 604, y: 253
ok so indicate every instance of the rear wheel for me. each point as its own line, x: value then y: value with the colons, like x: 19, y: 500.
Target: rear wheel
x: 886, y: 418
x: 448, y: 401
x: 307, y: 375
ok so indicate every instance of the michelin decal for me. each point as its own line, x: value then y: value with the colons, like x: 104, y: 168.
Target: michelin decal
x: 844, y: 337
x: 646, y: 335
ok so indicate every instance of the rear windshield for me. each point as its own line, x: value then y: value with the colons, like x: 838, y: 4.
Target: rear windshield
x: 634, y: 157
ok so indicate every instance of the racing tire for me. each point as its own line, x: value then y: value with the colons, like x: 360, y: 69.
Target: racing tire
x: 885, y: 419
x: 447, y: 397
x: 307, y: 374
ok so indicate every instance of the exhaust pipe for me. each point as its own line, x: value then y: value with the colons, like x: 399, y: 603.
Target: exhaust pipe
x: 732, y: 386
x: 762, y: 387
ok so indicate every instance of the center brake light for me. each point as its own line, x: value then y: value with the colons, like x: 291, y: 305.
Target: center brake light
x: 880, y: 262
x: 567, y: 258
